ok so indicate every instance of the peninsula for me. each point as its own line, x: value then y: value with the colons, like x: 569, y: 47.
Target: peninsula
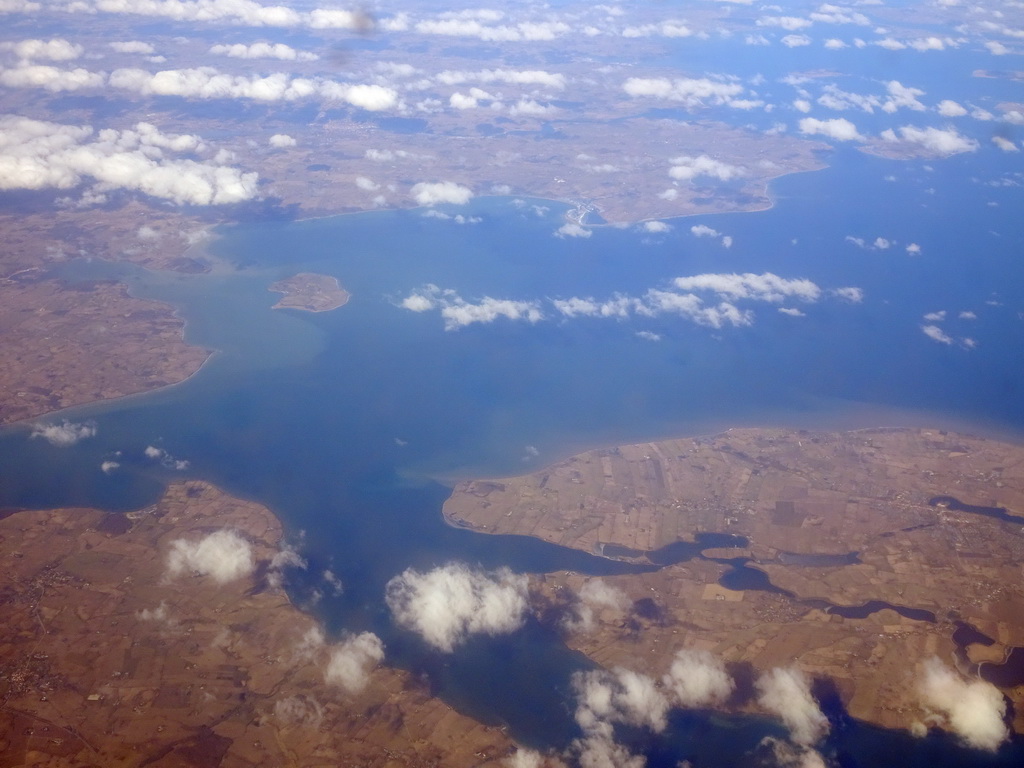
x: 108, y: 658
x: 859, y: 555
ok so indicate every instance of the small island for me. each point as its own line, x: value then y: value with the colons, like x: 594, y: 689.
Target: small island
x: 310, y: 292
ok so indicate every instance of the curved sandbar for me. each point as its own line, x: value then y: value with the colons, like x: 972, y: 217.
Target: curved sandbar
x: 310, y: 292
x: 788, y: 493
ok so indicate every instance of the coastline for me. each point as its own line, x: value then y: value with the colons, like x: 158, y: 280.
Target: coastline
x: 867, y: 491
x: 855, y: 417
x: 199, y: 664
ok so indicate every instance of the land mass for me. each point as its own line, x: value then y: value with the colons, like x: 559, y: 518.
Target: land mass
x: 846, y: 553
x: 66, y: 345
x: 310, y: 292
x: 105, y: 661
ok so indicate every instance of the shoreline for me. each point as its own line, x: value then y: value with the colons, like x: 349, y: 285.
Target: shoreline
x: 570, y: 202
x: 908, y: 420
x: 711, y: 435
x: 784, y: 491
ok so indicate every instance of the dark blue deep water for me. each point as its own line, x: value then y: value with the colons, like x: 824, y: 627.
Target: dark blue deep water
x: 348, y: 424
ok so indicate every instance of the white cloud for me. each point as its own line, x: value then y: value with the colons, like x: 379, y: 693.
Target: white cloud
x: 763, y: 287
x: 663, y: 29
x: 56, y: 49
x: 434, y: 193
x: 510, y: 76
x: 698, y: 679
x: 850, y: 294
x: 685, y: 168
x: 160, y: 614
x: 281, y: 140
x: 109, y: 466
x: 299, y: 710
x: 656, y: 227
x: 524, y: 758
x: 463, y: 101
x: 210, y: 83
x: 384, y: 155
x: 935, y: 317
x: 902, y: 97
x: 531, y: 108
x: 834, y: 14
x: 934, y: 140
x: 577, y: 307
x: 49, y: 78
x: 19, y: 6
x: 595, y: 595
x: 890, y: 44
x: 789, y: 23
x: 1014, y: 116
x: 688, y: 305
x: 692, y: 92
x: 702, y: 230
x: 914, y: 249
x: 681, y: 299
x: 332, y: 579
x: 967, y: 315
x: 618, y: 696
x: 786, y: 693
x: 572, y: 229
x: 433, y: 213
x: 372, y: 98
x: 974, y: 709
x: 244, y: 12
x: 834, y: 97
x: 323, y: 18
x: 795, y: 41
x: 148, y: 233
x: 792, y: 312
x: 838, y: 128
x: 132, y: 46
x: 1005, y: 144
x: 948, y: 108
x: 458, y: 313
x: 648, y: 335
x: 936, y: 334
x: 468, y: 27
x: 262, y: 51
x: 67, y: 432
x: 599, y: 750
x: 352, y: 660
x: 834, y: 44
x: 222, y: 555
x: 446, y: 605
x: 42, y: 155
x: 878, y: 244
x: 802, y: 105
x: 931, y: 43
x: 996, y: 48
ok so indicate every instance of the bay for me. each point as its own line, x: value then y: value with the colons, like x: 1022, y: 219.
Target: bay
x: 350, y: 424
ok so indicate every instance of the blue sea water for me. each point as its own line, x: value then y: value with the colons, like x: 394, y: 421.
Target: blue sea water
x: 348, y: 423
